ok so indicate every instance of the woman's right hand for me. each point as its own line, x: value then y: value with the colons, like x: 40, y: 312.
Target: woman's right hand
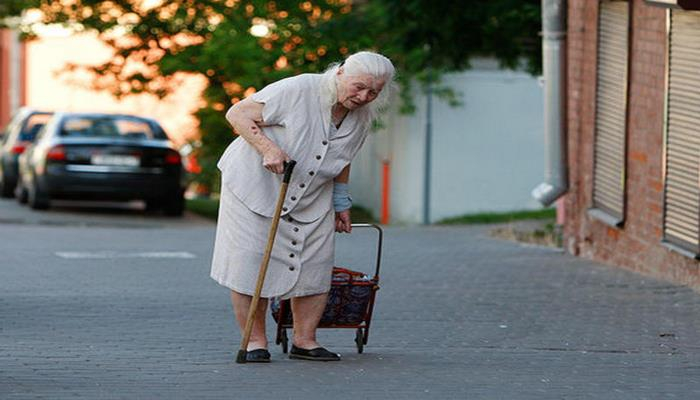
x: 274, y: 159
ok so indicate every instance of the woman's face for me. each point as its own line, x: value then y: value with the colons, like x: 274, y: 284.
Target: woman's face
x: 355, y: 91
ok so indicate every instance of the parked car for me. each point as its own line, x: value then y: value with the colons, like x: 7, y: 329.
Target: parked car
x: 20, y: 133
x: 103, y: 157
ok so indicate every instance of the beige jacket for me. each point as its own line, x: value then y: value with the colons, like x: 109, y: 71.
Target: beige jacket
x: 300, y: 128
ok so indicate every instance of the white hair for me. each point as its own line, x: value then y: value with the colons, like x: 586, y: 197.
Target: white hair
x: 361, y: 63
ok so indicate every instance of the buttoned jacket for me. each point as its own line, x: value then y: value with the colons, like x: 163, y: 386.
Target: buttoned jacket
x: 295, y: 120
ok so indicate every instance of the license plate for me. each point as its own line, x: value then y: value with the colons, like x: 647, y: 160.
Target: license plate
x: 109, y: 159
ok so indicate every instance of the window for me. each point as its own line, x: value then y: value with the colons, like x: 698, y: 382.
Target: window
x: 682, y: 139
x: 109, y: 127
x: 611, y: 113
x: 32, y: 126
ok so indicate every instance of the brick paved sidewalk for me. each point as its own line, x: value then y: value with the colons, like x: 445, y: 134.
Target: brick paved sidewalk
x: 459, y: 316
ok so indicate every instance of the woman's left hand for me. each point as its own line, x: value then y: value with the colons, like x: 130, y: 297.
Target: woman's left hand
x: 343, y: 222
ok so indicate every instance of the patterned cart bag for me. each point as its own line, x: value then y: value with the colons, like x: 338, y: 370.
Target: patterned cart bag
x: 348, y: 299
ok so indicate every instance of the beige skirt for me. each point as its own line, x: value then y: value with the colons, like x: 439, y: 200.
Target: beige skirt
x: 302, y: 258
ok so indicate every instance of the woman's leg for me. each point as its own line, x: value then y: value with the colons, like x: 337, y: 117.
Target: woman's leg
x: 307, y: 311
x: 241, y: 305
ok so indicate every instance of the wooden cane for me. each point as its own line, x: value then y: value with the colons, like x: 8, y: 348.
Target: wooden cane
x: 243, y: 351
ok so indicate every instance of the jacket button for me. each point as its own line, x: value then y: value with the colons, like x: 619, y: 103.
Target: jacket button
x: 284, y: 208
x: 294, y: 242
x: 296, y: 229
x: 318, y: 157
x: 291, y: 255
x: 325, y: 142
x: 302, y: 185
x: 311, y: 173
x: 291, y: 268
x: 293, y: 198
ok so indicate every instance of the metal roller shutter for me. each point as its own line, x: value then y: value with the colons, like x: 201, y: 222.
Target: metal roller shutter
x: 682, y: 192
x: 611, y: 110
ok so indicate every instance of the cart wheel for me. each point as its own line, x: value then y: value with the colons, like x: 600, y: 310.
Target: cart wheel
x: 285, y: 341
x: 359, y: 340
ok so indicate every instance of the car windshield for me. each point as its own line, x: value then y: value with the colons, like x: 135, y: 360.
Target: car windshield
x: 108, y: 127
x: 32, y: 126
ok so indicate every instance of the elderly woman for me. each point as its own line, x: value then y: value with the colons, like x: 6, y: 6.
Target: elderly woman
x: 321, y: 121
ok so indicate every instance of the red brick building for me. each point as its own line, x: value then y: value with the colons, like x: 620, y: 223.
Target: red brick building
x: 633, y: 116
x: 12, y: 75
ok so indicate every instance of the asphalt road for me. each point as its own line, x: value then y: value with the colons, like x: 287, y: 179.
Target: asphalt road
x: 114, y: 303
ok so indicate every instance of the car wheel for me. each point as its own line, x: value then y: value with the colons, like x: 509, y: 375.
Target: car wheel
x: 21, y: 194
x: 38, y: 200
x: 153, y: 205
x: 175, y: 205
x: 5, y: 189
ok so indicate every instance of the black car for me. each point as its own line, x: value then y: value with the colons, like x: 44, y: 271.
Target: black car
x: 91, y: 156
x: 20, y: 133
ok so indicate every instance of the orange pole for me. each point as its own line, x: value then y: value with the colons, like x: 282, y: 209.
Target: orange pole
x: 385, y: 192
x: 23, y: 74
x: 4, y: 77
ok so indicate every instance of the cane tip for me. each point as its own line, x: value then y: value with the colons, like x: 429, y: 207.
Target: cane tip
x: 241, y: 358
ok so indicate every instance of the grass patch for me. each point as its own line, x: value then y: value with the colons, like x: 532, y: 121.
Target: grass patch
x: 361, y: 215
x: 495, y: 218
x: 209, y: 208
x: 544, y: 235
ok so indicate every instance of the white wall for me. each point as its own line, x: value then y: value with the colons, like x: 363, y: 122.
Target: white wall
x: 48, y: 89
x: 487, y: 153
x: 15, y: 76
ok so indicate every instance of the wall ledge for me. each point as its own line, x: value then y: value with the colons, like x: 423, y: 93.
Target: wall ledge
x: 680, y: 4
x: 604, y: 217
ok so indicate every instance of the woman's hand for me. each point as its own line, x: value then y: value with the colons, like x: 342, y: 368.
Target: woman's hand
x: 343, y: 222
x: 274, y: 159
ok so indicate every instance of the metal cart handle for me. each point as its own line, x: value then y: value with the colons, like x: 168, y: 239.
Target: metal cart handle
x: 380, y: 239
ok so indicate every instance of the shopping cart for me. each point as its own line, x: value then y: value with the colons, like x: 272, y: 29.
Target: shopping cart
x: 350, y: 301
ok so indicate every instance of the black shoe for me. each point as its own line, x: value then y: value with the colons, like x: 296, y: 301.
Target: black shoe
x: 317, y: 354
x: 257, y: 356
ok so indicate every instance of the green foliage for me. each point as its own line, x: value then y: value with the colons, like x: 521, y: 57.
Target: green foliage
x: 213, y: 145
x: 362, y: 215
x: 208, y: 208
x: 426, y: 38
x: 212, y: 38
x: 13, y: 8
x: 494, y: 218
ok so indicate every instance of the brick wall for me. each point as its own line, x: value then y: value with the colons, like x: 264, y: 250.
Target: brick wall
x: 4, y: 78
x: 637, y: 245
x: 6, y: 55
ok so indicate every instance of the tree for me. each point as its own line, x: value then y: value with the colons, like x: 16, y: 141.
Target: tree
x: 13, y: 8
x: 155, y: 40
x: 426, y: 38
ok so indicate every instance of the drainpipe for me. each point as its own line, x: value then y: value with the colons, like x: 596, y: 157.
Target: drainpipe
x: 427, y: 173
x: 554, y: 74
